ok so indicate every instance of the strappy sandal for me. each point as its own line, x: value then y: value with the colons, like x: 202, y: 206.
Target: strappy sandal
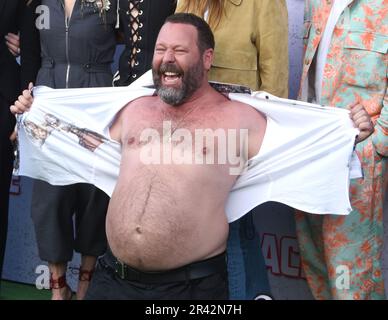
x: 61, y: 283
x: 85, y: 275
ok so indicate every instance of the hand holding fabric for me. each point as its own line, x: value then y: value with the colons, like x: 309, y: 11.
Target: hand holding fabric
x: 24, y: 101
x: 362, y: 121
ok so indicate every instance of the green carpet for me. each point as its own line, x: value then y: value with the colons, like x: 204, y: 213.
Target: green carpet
x: 19, y: 291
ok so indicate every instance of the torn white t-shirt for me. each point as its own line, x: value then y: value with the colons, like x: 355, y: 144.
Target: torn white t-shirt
x: 304, y: 161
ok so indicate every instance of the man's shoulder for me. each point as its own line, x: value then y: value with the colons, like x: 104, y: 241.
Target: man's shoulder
x: 141, y: 103
x: 144, y: 101
x: 244, y: 111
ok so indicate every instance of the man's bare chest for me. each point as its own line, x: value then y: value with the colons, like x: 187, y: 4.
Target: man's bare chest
x: 201, y: 139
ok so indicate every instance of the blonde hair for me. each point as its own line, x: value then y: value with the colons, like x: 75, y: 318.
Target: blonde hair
x: 199, y: 7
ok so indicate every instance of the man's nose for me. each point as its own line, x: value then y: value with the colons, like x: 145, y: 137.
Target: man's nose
x: 169, y: 56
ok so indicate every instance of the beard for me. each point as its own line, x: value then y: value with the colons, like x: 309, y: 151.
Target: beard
x: 191, y: 81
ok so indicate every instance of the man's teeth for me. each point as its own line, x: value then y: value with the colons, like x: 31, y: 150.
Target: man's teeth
x: 171, y: 74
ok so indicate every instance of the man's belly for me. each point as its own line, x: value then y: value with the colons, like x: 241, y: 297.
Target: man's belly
x: 160, y: 224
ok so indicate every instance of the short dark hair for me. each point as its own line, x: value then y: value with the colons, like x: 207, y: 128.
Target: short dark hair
x: 205, y: 34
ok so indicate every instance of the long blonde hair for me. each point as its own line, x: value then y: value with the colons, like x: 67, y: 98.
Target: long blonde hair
x: 199, y: 7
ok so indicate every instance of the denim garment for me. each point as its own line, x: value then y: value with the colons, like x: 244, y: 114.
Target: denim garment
x: 246, y: 269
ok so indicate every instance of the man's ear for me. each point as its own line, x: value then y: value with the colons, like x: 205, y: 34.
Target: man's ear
x: 208, y: 58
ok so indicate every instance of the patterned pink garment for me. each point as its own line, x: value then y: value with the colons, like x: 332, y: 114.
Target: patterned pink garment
x: 341, y: 255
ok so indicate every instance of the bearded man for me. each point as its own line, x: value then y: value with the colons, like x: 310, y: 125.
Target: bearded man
x: 167, y: 225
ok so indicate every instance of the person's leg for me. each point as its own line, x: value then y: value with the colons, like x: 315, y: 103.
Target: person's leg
x: 90, y: 240
x: 236, y: 266
x: 103, y: 285
x: 214, y: 287
x: 106, y: 285
x: 354, y: 244
x: 59, y: 288
x: 5, y: 180
x: 6, y: 165
x: 310, y: 240
x: 51, y: 212
x: 257, y: 283
x: 88, y: 264
x: 247, y: 272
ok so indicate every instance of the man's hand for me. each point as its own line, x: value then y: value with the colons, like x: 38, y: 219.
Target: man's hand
x: 13, y: 43
x: 362, y: 121
x: 24, y: 101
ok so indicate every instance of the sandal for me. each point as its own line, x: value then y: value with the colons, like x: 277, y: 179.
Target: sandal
x: 85, y: 275
x: 61, y: 283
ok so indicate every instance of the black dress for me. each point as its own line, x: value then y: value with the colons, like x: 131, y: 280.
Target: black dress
x: 76, y: 53
x: 14, y: 17
x: 140, y: 21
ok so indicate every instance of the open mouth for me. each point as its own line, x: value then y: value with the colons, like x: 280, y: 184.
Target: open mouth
x: 171, y: 78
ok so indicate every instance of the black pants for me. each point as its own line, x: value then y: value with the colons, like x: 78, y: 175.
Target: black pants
x: 6, y: 165
x: 52, y: 211
x: 107, y: 285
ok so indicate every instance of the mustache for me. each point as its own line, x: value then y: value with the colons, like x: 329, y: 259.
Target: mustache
x: 170, y: 67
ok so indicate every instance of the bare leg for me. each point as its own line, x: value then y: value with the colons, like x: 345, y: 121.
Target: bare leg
x: 59, y: 288
x: 88, y: 264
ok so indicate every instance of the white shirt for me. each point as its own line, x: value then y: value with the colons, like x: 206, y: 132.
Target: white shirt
x: 304, y: 161
x: 324, y: 45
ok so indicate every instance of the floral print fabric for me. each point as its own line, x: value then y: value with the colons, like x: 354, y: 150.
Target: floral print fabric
x: 341, y: 255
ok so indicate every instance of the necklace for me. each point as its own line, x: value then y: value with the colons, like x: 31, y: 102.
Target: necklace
x: 102, y: 6
x: 171, y: 128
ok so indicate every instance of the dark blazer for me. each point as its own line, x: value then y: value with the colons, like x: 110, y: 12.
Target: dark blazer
x: 78, y: 53
x: 16, y: 16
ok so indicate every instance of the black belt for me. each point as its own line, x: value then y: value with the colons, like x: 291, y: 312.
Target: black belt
x: 191, y: 271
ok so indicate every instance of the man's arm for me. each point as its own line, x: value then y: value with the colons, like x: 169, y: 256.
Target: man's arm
x: 116, y: 127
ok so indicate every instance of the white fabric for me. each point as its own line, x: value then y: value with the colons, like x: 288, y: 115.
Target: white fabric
x: 336, y: 11
x: 303, y: 162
